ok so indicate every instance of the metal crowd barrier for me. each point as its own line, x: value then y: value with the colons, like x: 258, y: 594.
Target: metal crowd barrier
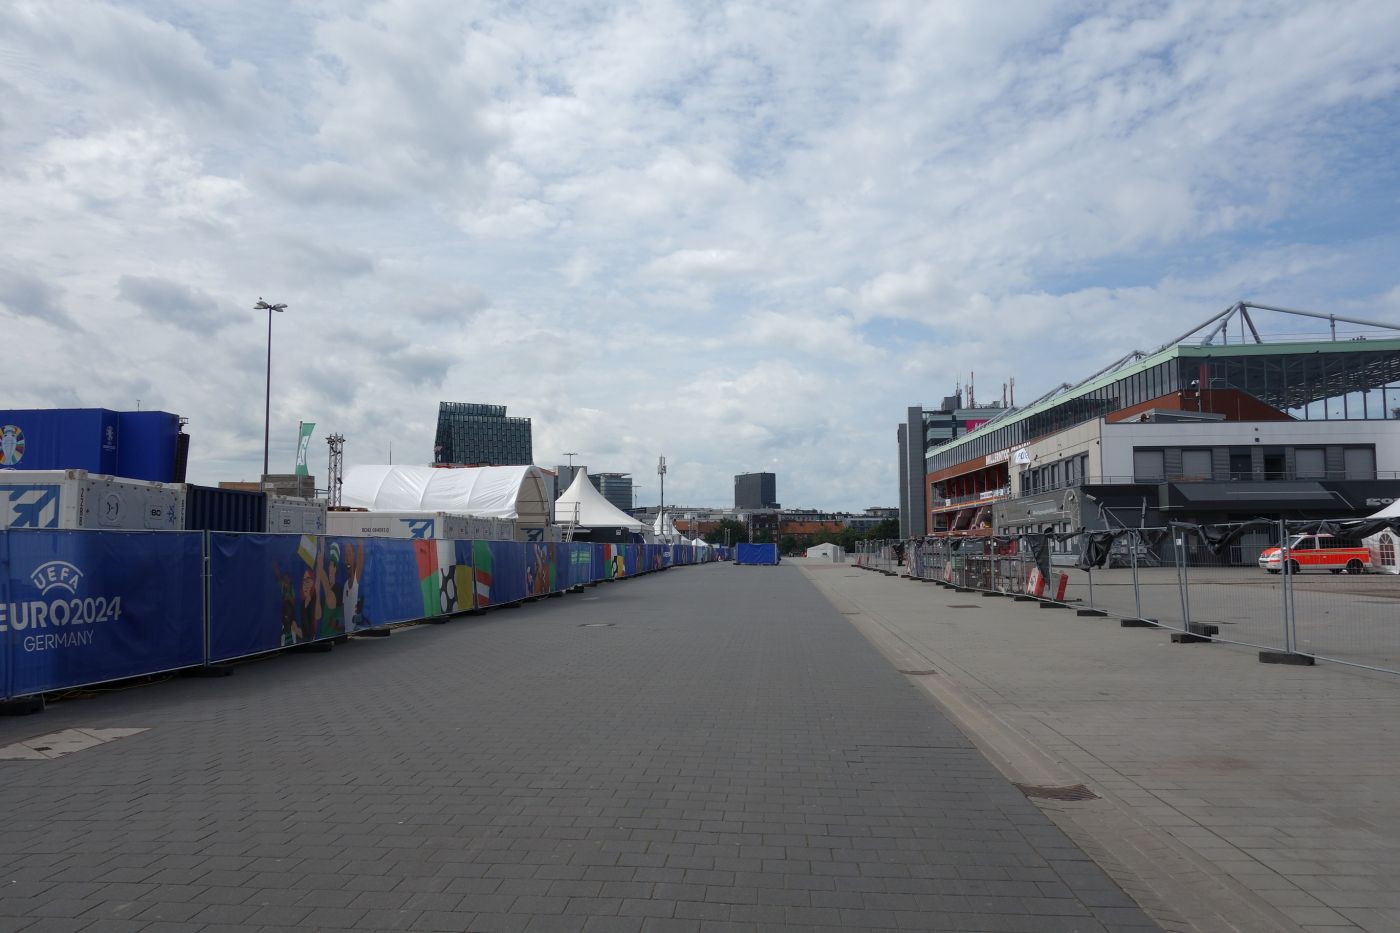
x: 1173, y: 578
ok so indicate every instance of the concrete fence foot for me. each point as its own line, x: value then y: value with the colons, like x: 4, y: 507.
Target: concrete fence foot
x: 1090, y: 612
x: 1138, y: 623
x: 22, y: 706
x: 1286, y: 657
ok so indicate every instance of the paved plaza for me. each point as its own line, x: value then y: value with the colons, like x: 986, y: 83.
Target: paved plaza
x: 708, y: 749
x: 1234, y: 795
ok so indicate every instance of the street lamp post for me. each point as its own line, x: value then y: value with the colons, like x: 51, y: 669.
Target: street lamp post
x: 267, y: 399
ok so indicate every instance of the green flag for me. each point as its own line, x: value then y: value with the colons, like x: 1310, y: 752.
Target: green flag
x: 303, y: 445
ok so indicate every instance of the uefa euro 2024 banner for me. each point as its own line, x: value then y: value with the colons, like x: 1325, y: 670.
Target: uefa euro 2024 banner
x: 82, y: 607
x: 274, y: 591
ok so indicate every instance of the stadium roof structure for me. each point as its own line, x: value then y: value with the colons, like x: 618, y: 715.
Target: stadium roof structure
x: 1287, y: 375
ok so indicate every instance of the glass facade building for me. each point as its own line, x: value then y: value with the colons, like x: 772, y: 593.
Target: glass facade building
x: 481, y: 435
x: 755, y: 491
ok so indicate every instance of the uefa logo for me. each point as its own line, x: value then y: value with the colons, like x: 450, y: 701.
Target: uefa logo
x: 56, y: 573
x: 11, y: 445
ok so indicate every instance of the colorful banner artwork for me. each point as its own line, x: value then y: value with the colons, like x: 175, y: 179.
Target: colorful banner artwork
x: 83, y: 607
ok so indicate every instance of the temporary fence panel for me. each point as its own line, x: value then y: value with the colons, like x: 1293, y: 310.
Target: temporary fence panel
x: 80, y: 607
x: 83, y: 607
x: 273, y: 591
x: 78, y: 499
x: 500, y: 572
x: 541, y: 568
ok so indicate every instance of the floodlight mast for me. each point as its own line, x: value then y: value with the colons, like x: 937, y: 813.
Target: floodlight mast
x: 267, y: 399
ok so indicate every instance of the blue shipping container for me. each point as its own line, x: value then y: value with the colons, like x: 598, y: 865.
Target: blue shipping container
x: 208, y: 508
x: 147, y: 449
x: 60, y: 439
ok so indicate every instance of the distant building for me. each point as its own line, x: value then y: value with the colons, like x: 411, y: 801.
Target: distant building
x: 565, y: 477
x: 615, y: 487
x: 922, y: 430
x: 755, y: 491
x: 481, y: 435
x: 1200, y: 430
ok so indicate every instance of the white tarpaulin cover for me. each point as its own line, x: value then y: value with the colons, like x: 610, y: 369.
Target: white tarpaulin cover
x: 584, y: 507
x: 517, y: 492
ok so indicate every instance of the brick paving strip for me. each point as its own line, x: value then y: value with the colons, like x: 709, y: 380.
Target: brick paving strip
x: 709, y: 749
x: 1235, y: 795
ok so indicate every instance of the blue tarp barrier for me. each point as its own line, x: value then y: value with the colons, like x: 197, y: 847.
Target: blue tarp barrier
x: 756, y: 554
x: 83, y: 607
x: 273, y: 591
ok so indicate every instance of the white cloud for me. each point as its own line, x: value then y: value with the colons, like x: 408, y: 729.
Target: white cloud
x: 736, y: 235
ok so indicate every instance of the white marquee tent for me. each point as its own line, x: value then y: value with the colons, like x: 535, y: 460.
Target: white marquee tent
x: 831, y: 552
x: 1385, y: 544
x: 665, y: 529
x: 582, y: 506
x: 517, y: 492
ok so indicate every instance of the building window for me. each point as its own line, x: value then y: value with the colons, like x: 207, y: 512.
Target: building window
x: 1360, y: 462
x: 1195, y: 465
x: 1149, y: 466
x: 1084, y: 468
x: 1241, y: 464
x: 1310, y: 463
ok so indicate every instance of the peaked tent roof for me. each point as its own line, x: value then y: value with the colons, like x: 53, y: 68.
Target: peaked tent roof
x: 517, y: 492
x: 665, y: 526
x: 584, y: 506
x: 1390, y: 511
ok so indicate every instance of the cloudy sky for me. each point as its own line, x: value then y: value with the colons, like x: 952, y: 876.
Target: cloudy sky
x: 745, y: 236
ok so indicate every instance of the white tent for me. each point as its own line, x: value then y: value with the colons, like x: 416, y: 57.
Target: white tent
x: 585, y: 507
x: 665, y: 529
x: 1384, y: 546
x: 1390, y: 511
x: 831, y: 552
x: 517, y: 492
x: 700, y: 542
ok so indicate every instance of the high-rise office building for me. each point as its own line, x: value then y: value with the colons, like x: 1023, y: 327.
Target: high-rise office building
x: 565, y: 477
x: 615, y: 487
x: 755, y: 491
x: 481, y: 435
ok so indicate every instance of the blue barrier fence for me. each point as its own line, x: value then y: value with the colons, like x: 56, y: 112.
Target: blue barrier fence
x: 83, y: 607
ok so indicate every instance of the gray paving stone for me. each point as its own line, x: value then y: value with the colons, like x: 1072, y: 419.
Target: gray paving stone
x: 729, y: 755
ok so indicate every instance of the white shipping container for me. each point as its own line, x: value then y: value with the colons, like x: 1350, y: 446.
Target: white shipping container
x: 289, y: 515
x: 443, y: 525
x: 77, y: 499
x: 479, y: 528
